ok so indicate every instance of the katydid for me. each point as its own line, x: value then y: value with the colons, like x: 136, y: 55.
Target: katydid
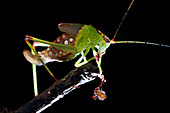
x: 77, y: 39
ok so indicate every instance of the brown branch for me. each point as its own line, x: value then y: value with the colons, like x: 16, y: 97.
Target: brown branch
x: 71, y: 81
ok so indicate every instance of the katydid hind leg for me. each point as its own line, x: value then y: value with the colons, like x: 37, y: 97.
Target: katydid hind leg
x: 36, y: 57
x: 34, y: 70
x: 64, y: 47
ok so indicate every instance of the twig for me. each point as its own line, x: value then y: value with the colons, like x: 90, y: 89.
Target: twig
x: 71, y: 81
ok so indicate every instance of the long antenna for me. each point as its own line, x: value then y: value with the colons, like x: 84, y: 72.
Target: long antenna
x: 123, y: 19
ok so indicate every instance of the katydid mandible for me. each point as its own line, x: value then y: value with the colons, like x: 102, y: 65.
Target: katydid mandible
x: 77, y: 39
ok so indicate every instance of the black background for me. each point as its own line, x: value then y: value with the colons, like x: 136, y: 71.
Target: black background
x: 137, y: 75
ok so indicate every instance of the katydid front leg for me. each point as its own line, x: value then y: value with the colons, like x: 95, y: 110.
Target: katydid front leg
x: 98, y: 92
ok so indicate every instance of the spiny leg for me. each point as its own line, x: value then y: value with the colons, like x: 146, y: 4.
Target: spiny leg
x: 98, y: 92
x: 38, y: 59
x: 35, y: 44
x: 98, y: 58
x: 31, y: 56
x: 34, y: 70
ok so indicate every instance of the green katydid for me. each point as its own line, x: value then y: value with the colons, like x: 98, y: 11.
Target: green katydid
x: 77, y: 39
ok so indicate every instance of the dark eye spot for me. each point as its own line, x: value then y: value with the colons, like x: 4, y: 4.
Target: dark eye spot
x: 106, y: 39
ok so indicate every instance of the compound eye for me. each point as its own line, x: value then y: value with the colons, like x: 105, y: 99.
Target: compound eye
x: 106, y: 39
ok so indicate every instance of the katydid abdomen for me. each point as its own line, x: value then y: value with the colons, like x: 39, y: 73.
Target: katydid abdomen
x: 57, y: 54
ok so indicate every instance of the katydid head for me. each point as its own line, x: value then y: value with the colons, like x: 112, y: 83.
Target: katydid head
x: 105, y: 44
x: 108, y: 42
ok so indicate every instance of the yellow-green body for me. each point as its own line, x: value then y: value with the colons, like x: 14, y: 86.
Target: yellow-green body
x: 83, y: 37
x: 88, y: 37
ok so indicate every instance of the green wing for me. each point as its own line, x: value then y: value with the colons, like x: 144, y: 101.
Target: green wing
x: 68, y: 48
